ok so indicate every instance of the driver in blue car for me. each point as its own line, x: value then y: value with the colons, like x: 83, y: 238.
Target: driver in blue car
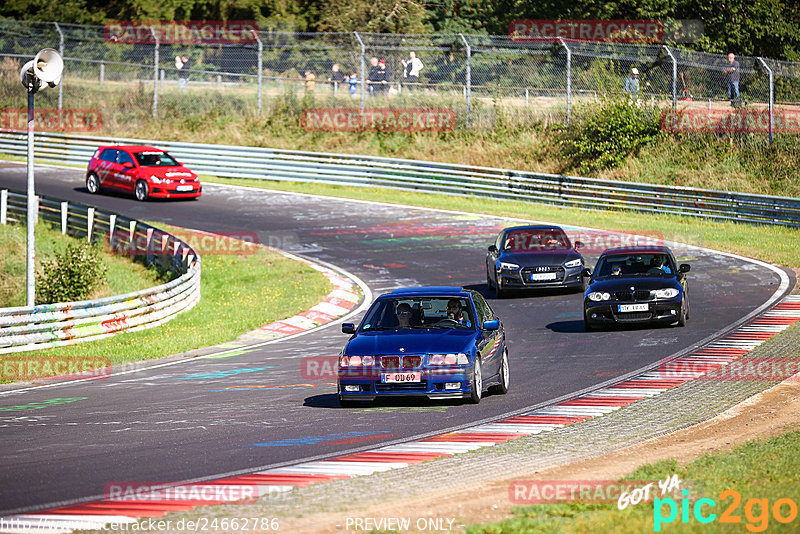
x: 455, y: 312
x: 403, y: 313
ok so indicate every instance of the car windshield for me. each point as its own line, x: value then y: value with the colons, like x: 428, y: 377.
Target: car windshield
x: 536, y: 240
x: 624, y: 265
x: 155, y: 159
x: 419, y: 313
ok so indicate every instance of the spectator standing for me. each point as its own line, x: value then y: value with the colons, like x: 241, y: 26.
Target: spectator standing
x: 732, y: 79
x: 183, y: 72
x: 374, y: 76
x: 411, y: 69
x: 384, y: 77
x: 336, y: 77
x: 352, y: 81
x: 311, y: 81
x: 632, y: 84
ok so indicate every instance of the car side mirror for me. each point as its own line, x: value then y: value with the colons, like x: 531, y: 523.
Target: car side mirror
x: 578, y: 245
x: 494, y: 324
x: 586, y: 273
x: 128, y: 165
x: 492, y: 249
x: 684, y: 268
x: 348, y: 328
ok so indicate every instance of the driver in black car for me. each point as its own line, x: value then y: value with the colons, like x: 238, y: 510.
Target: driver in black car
x: 659, y: 266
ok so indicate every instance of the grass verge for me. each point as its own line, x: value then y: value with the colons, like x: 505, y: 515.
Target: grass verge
x: 761, y: 470
x: 772, y: 244
x: 239, y: 294
x: 122, y: 275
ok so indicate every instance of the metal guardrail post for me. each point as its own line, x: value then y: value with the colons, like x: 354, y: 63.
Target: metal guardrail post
x: 363, y: 69
x: 569, y: 79
x: 771, y: 97
x: 259, y: 67
x: 468, y: 75
x: 64, y: 217
x: 60, y: 51
x: 155, y: 74
x: 674, y: 78
x: 4, y: 206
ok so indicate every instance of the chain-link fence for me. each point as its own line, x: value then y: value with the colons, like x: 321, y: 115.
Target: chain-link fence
x: 474, y: 75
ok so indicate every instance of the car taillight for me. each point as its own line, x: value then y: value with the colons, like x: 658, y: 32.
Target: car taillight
x: 344, y: 361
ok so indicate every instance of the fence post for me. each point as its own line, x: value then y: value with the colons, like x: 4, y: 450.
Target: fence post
x: 60, y: 51
x: 674, y: 78
x: 3, y: 206
x: 771, y: 97
x: 260, y: 67
x: 569, y: 79
x: 155, y: 74
x: 363, y: 69
x: 64, y: 215
x: 468, y: 76
x: 89, y: 224
x: 102, y: 72
x: 112, y: 223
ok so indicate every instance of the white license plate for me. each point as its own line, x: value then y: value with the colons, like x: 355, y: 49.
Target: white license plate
x: 394, y: 378
x: 183, y: 188
x: 543, y: 276
x: 632, y: 307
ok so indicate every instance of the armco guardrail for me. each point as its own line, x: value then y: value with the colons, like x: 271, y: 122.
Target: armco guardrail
x: 50, y: 325
x: 344, y: 169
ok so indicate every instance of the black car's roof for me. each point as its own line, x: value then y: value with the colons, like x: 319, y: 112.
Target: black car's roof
x: 534, y: 227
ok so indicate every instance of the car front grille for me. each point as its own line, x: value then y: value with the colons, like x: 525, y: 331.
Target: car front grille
x: 630, y: 296
x: 528, y: 271
x: 635, y: 316
x: 408, y: 362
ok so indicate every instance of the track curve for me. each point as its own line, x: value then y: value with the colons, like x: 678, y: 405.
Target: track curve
x: 189, y: 421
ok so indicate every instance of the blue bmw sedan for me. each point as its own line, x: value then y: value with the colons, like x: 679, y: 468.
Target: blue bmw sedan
x: 436, y: 342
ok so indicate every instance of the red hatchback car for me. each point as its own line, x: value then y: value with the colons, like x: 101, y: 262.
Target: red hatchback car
x: 145, y: 171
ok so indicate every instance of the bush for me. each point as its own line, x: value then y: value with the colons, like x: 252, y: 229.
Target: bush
x: 608, y: 133
x: 71, y: 275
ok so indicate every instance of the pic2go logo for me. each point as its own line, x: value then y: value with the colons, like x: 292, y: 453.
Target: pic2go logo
x: 783, y: 510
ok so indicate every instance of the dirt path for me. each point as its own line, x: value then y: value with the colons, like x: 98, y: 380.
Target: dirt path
x: 768, y: 414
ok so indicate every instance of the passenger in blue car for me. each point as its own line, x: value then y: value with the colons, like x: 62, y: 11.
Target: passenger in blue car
x: 456, y: 313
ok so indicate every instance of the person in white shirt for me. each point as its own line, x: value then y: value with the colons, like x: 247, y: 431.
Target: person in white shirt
x: 411, y: 69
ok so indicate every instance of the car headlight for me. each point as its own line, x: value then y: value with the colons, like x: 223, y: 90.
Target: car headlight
x: 667, y: 293
x: 574, y: 263
x: 504, y: 266
x: 599, y: 296
x: 157, y: 180
x: 448, y: 359
x: 356, y: 361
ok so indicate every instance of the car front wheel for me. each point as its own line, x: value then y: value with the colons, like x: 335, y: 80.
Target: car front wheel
x: 477, y: 382
x: 684, y: 313
x: 142, y: 191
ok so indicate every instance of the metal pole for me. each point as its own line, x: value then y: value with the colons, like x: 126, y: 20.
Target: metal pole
x: 468, y: 75
x: 569, y: 79
x: 102, y: 72
x: 155, y: 74
x: 60, y: 51
x: 260, y: 67
x: 674, y: 79
x: 30, y: 280
x: 771, y: 97
x: 363, y: 70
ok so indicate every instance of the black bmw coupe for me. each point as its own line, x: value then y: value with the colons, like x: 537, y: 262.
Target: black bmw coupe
x: 636, y: 285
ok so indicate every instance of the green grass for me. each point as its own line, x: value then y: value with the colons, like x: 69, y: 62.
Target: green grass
x: 762, y: 469
x: 122, y: 275
x: 239, y: 294
x: 768, y: 243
